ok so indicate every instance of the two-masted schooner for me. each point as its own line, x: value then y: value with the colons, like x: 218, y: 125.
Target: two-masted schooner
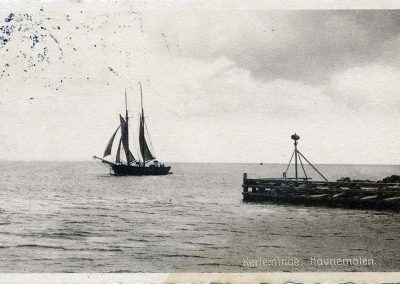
x: 147, y: 165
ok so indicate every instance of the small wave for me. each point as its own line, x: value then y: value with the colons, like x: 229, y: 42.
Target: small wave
x: 105, y: 215
x: 209, y: 233
x: 42, y: 259
x: 226, y: 230
x: 79, y: 258
x: 210, y: 264
x: 237, y: 231
x: 357, y: 249
x: 67, y: 249
x: 101, y: 249
x: 219, y: 247
x: 121, y: 230
x: 79, y: 222
x: 215, y: 223
x: 40, y: 246
x: 306, y: 236
x: 182, y: 255
x: 161, y: 236
x: 103, y: 208
x: 139, y: 240
x: 201, y: 244
x: 144, y: 212
x: 77, y: 207
x: 66, y: 235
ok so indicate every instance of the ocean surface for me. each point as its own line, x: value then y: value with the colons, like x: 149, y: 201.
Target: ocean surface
x: 75, y: 217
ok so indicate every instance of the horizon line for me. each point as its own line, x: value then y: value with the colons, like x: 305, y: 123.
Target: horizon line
x: 202, y: 162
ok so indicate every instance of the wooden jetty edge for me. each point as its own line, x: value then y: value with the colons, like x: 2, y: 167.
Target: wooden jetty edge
x: 344, y: 193
x: 362, y: 195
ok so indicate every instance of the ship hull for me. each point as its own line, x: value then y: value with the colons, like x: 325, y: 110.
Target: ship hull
x: 125, y: 170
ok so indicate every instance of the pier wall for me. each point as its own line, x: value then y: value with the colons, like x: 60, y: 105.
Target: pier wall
x: 346, y: 194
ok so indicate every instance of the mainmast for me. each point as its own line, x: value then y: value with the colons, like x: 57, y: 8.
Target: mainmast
x: 141, y: 121
x: 141, y: 98
x: 127, y: 128
x: 144, y: 148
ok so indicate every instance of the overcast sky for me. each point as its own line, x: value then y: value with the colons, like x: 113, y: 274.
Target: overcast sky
x: 220, y: 85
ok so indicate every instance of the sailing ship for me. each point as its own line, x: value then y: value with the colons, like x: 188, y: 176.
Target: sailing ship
x: 147, y: 165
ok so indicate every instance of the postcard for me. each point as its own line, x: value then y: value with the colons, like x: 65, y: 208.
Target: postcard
x: 199, y: 141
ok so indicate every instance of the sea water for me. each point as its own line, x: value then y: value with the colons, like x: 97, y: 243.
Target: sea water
x: 75, y: 217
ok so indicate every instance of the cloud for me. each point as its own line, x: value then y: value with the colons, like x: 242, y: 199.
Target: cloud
x: 195, y: 88
x: 294, y: 45
x: 373, y: 88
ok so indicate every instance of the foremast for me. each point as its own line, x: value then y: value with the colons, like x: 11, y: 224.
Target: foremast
x: 124, y: 140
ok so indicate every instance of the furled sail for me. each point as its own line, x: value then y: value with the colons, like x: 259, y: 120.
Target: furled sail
x: 118, y: 157
x: 144, y: 148
x: 107, y: 151
x: 125, y: 140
